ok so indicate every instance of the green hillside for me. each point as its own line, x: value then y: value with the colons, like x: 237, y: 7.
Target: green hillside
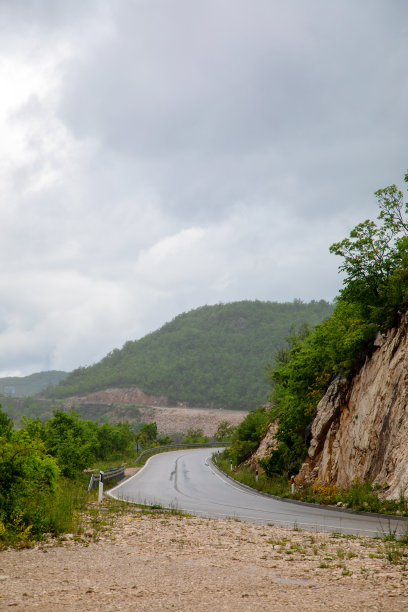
x: 211, y: 356
x: 23, y: 386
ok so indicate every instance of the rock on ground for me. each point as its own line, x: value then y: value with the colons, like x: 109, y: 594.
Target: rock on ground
x: 158, y: 561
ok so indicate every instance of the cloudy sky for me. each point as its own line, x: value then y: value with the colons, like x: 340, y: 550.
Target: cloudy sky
x: 158, y: 155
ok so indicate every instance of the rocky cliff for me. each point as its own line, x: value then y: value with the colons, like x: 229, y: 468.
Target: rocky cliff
x: 361, y: 426
x: 266, y: 446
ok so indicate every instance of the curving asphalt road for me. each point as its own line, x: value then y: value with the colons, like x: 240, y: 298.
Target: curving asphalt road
x: 187, y: 480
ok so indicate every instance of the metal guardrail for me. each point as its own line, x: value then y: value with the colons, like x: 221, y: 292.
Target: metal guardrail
x: 153, y: 449
x: 116, y: 472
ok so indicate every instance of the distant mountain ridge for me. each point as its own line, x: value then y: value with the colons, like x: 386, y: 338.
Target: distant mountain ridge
x: 212, y: 356
x: 23, y: 386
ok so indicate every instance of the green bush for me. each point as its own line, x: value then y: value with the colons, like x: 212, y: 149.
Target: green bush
x: 42, y: 484
x: 73, y: 442
x: 28, y: 482
x: 195, y: 436
x: 247, y: 435
x: 224, y: 432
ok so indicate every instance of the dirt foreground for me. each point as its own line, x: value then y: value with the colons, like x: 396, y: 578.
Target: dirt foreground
x: 130, y: 560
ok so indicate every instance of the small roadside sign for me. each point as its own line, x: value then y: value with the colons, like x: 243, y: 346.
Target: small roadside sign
x: 137, y: 447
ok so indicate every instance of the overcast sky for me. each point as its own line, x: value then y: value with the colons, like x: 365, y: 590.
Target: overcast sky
x: 159, y: 155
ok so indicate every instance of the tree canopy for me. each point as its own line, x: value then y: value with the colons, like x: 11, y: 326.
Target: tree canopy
x: 375, y: 258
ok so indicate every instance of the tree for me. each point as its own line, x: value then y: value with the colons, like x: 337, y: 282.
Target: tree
x: 374, y: 251
x: 195, y: 436
x: 28, y: 480
x: 6, y: 424
x: 147, y: 434
x: 73, y: 442
x: 117, y: 438
x: 248, y: 434
x: 224, y: 432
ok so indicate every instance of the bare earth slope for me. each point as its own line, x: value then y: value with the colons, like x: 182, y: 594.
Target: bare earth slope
x: 152, y: 562
x: 169, y: 419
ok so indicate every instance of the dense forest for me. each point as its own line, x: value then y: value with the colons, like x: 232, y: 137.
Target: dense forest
x: 375, y: 294
x: 24, y: 386
x: 211, y: 356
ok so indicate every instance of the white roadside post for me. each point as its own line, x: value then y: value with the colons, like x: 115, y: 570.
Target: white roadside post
x: 100, y: 492
x: 292, y: 482
x: 256, y: 475
x: 231, y: 465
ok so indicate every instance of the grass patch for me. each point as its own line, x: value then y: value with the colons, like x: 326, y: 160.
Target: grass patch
x: 276, y: 486
x: 360, y: 496
x: 62, y: 514
x: 115, y: 460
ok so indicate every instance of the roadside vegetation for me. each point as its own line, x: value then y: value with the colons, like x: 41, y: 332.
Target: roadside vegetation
x: 42, y: 480
x: 45, y: 469
x: 363, y: 497
x: 375, y: 293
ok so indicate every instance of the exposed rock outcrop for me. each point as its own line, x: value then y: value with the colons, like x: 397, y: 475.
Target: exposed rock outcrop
x: 266, y: 446
x: 361, y: 426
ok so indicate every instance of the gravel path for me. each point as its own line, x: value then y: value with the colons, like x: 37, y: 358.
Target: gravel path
x: 129, y: 560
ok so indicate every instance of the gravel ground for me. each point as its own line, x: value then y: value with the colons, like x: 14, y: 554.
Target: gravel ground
x: 130, y: 560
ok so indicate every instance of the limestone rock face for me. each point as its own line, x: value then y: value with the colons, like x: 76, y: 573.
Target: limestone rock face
x: 361, y: 426
x: 266, y: 446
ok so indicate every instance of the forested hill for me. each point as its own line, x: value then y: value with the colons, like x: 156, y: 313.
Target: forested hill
x: 22, y: 386
x: 211, y: 356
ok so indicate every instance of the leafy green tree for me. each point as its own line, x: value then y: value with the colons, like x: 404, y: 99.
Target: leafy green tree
x: 248, y: 434
x: 73, y: 442
x: 150, y: 429
x: 28, y: 481
x: 147, y: 434
x: 374, y: 255
x: 254, y: 426
x: 195, y: 436
x: 164, y: 440
x: 113, y: 439
x: 224, y: 432
x: 6, y: 425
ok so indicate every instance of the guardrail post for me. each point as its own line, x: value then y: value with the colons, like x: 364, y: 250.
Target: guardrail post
x: 91, y: 483
x: 100, y: 492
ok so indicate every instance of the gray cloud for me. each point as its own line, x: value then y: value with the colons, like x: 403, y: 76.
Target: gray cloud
x: 158, y: 156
